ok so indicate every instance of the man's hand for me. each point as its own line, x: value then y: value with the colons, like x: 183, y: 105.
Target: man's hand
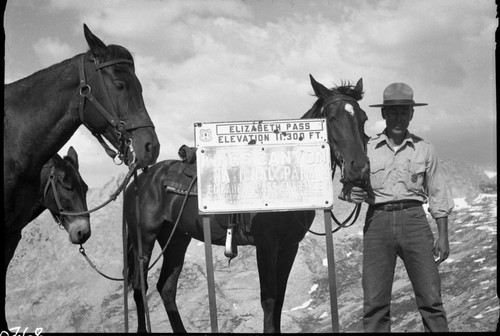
x: 356, y: 195
x: 442, y: 245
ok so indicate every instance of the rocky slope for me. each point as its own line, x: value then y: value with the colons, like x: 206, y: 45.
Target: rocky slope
x: 51, y: 286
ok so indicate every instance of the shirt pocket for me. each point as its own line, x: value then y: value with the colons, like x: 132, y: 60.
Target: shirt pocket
x: 415, y: 175
x: 377, y: 174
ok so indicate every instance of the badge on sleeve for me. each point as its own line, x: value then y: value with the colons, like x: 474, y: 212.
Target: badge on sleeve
x: 414, y: 178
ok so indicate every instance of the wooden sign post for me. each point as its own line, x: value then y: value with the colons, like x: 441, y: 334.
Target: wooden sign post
x: 262, y: 166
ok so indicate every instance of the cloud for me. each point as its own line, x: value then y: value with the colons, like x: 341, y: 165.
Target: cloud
x: 248, y: 60
x: 50, y: 50
x: 417, y: 39
x: 207, y: 63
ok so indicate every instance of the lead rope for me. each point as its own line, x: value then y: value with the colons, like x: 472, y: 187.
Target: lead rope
x: 176, y: 221
x: 141, y: 257
x: 125, y: 268
x: 356, y: 211
x: 112, y: 197
x: 132, y: 170
x: 82, y: 251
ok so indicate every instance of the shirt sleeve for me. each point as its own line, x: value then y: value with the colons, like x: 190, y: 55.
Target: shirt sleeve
x: 440, y: 200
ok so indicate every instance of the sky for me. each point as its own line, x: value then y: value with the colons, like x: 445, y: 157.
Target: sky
x: 238, y: 60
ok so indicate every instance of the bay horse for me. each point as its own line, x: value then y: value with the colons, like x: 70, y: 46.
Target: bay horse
x: 97, y: 88
x: 276, y: 235
x: 62, y: 189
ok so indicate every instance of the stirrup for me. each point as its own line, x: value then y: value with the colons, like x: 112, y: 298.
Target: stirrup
x: 230, y: 251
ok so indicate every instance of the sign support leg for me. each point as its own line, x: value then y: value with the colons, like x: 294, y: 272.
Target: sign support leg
x: 210, y: 274
x: 332, y: 280
x: 125, y: 271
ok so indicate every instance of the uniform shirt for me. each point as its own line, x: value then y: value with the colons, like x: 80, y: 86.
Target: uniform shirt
x: 410, y: 173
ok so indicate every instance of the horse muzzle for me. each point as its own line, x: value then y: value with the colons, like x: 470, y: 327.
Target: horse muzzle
x: 143, y: 147
x: 78, y: 230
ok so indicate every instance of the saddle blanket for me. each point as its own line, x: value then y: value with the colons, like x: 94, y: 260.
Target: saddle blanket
x: 181, y: 174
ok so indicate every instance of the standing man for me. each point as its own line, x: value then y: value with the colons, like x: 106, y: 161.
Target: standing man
x: 404, y: 173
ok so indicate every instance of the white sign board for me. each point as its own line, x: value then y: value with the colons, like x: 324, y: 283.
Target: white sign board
x: 263, y: 132
x: 258, y: 166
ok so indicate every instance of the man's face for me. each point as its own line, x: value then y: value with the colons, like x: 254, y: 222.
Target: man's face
x: 397, y: 118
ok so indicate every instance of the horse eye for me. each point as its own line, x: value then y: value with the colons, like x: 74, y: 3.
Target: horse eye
x: 67, y: 186
x: 119, y: 85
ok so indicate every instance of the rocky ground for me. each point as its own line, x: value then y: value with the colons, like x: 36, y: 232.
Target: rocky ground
x: 51, y: 286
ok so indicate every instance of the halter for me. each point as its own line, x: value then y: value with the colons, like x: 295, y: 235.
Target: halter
x: 121, y: 127
x: 60, y: 210
x: 340, y: 162
x: 338, y: 155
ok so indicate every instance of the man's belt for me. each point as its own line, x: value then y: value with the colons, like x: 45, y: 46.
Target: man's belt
x: 396, y: 206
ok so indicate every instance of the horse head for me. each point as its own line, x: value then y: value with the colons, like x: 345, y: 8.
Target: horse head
x: 346, y: 135
x: 65, y: 191
x: 111, y: 103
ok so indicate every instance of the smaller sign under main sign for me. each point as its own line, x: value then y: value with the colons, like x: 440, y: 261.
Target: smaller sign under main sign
x: 263, y: 132
x: 256, y: 178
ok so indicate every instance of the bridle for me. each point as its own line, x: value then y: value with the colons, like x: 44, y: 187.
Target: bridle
x: 60, y: 212
x: 51, y: 183
x: 120, y: 125
x: 339, y: 160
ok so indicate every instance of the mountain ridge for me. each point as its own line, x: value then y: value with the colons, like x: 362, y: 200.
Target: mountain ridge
x: 51, y: 286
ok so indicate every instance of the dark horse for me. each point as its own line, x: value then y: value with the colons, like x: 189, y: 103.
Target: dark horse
x: 276, y: 235
x: 62, y: 189
x: 99, y: 89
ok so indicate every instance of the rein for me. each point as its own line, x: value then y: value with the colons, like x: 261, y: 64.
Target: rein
x: 132, y: 171
x: 340, y: 225
x: 51, y: 183
x: 82, y: 250
x: 61, y: 212
x: 336, y: 153
x: 340, y: 162
x: 121, y: 127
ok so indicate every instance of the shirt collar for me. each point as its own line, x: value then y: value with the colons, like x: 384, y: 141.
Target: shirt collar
x: 382, y: 138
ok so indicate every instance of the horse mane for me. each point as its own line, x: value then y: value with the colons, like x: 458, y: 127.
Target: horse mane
x: 345, y: 88
x: 114, y: 52
x: 117, y: 51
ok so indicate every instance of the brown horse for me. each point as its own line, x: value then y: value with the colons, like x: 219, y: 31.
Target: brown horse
x: 62, y: 189
x: 276, y: 235
x: 99, y: 89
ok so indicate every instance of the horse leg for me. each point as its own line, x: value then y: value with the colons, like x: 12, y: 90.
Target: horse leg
x: 173, y: 261
x: 148, y: 241
x: 141, y: 313
x: 267, y: 255
x: 138, y: 298
x: 286, y: 257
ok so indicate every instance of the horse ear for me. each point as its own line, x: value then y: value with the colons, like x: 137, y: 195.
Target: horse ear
x: 319, y: 89
x: 96, y: 45
x: 359, y: 85
x: 73, y: 156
